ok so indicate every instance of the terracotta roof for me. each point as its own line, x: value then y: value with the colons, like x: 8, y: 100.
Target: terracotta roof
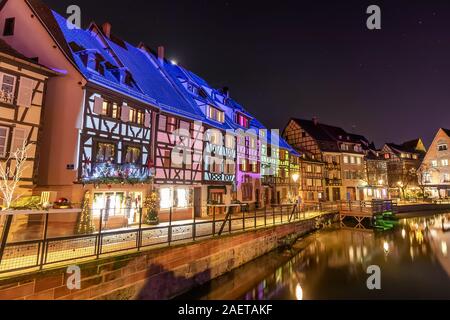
x: 328, y: 136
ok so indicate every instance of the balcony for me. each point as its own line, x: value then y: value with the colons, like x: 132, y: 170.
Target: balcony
x: 110, y: 173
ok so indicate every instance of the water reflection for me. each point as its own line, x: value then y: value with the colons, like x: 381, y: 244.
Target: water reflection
x: 413, y: 259
x: 332, y: 264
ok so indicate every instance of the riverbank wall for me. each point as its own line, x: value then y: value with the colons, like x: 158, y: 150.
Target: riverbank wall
x: 155, y: 274
x: 422, y: 208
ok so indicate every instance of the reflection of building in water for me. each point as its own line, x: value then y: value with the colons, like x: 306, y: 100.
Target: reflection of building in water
x: 438, y: 238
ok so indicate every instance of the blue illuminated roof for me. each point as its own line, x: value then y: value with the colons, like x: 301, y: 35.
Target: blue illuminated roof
x: 160, y: 87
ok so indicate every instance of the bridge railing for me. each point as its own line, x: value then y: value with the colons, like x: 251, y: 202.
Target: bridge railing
x: 36, y: 240
x: 369, y: 207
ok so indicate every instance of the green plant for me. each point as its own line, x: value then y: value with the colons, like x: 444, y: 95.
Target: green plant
x: 27, y: 203
x: 151, y: 206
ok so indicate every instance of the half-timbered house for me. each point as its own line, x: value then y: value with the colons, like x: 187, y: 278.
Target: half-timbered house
x: 22, y: 89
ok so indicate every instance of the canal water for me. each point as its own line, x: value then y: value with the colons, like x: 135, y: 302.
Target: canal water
x: 332, y: 264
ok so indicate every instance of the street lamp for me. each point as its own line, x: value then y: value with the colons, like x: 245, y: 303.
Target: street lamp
x: 295, y: 177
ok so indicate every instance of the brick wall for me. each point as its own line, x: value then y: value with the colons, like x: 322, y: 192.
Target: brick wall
x: 156, y: 274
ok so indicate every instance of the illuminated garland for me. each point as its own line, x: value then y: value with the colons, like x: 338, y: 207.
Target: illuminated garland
x: 108, y: 173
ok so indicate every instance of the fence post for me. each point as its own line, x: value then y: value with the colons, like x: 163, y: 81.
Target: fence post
x: 281, y: 212
x: 100, y: 227
x: 214, y: 221
x: 169, y: 231
x: 44, y: 240
x: 5, y: 233
x: 194, y: 227
x: 230, y: 221
x: 273, y: 215
x: 265, y: 215
x: 243, y: 219
x: 139, y: 239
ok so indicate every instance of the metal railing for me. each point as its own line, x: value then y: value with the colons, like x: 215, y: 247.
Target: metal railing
x: 52, y: 242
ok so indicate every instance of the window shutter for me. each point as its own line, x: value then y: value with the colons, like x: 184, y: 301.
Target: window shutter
x: 25, y: 92
x: 125, y: 114
x: 19, y: 137
x: 98, y: 105
x: 147, y: 119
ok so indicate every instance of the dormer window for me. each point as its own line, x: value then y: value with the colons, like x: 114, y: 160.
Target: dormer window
x: 242, y: 120
x: 216, y: 114
x: 93, y: 61
x: 442, y: 147
x: 202, y: 93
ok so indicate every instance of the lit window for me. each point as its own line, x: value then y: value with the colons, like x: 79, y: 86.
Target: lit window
x: 309, y: 182
x: 132, y: 155
x: 216, y: 114
x: 136, y: 116
x: 446, y: 177
x: 3, y: 140
x: 352, y: 160
x: 242, y: 120
x: 182, y: 198
x: 105, y: 152
x: 7, y: 83
x: 358, y: 160
x: 444, y: 162
x: 434, y: 163
x: 345, y: 159
x: 229, y: 141
x: 165, y: 194
x: 318, y: 169
x: 309, y: 168
x: 110, y: 109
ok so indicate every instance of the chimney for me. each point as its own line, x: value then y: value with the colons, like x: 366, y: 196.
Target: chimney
x: 106, y: 28
x: 226, y: 91
x: 315, y: 120
x: 161, y: 54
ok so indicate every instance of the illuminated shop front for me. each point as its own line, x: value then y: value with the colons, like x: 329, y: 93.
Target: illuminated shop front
x: 179, y: 200
x: 118, y: 208
x: 377, y: 193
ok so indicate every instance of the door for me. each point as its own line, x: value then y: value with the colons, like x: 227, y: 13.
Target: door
x: 351, y: 194
x: 197, y: 202
x: 336, y: 194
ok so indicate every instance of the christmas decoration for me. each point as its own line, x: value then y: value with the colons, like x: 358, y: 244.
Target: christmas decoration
x: 84, y: 223
x: 109, y: 173
x: 62, y: 203
x: 151, y: 207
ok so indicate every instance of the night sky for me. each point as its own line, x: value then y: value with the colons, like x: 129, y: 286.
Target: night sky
x: 285, y: 59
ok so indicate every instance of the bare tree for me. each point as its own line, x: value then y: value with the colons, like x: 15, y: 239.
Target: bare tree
x: 10, y: 176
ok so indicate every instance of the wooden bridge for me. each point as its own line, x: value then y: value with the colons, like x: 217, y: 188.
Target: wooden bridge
x: 363, y: 212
